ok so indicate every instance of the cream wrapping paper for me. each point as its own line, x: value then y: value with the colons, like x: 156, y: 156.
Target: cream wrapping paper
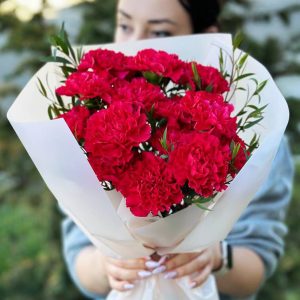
x: 102, y: 215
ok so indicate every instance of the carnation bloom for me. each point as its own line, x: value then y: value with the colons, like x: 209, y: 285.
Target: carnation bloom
x: 202, y: 162
x: 210, y: 76
x: 102, y: 59
x: 209, y: 112
x: 139, y: 91
x: 161, y: 63
x: 88, y: 85
x: 149, y: 187
x: 76, y: 119
x: 173, y: 111
x: 112, y: 133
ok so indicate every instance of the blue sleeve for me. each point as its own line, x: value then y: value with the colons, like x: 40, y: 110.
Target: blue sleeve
x: 261, y: 228
x: 74, y: 240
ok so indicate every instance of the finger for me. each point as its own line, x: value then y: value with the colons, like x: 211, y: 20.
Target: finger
x: 179, y: 260
x: 138, y: 263
x: 120, y: 285
x: 153, y: 263
x: 122, y: 274
x: 194, y: 265
x: 201, y: 277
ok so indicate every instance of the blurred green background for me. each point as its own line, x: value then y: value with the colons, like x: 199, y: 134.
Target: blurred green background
x: 31, y: 264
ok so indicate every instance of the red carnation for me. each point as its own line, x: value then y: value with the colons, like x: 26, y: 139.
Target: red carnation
x: 101, y: 59
x: 210, y: 112
x: 149, y: 187
x: 112, y: 133
x: 161, y: 63
x: 203, y: 162
x: 76, y: 119
x: 88, y: 85
x: 210, y: 77
x: 139, y: 91
x: 173, y: 111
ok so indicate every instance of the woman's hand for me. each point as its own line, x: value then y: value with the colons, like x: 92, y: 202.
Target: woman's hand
x: 196, y: 265
x: 122, y: 274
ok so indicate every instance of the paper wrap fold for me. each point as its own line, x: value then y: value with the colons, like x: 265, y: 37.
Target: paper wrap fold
x: 102, y: 215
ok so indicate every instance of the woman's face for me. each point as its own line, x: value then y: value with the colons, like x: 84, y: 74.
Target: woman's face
x: 143, y: 19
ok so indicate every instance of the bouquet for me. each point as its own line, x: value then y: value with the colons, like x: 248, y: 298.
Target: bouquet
x: 164, y: 132
x: 156, y: 128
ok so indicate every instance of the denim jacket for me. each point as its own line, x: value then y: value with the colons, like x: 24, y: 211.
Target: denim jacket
x: 261, y: 227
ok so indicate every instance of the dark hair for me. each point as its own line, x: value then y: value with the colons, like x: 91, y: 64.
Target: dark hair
x: 203, y: 13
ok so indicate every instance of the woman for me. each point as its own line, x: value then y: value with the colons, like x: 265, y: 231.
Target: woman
x: 256, y: 240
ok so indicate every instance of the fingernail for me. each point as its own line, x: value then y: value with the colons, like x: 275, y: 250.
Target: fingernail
x: 151, y: 264
x: 170, y: 275
x: 192, y: 284
x: 159, y: 270
x: 144, y: 274
x: 128, y: 286
x: 162, y: 259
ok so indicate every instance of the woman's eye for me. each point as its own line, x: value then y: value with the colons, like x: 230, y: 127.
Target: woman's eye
x: 161, y: 33
x: 125, y: 28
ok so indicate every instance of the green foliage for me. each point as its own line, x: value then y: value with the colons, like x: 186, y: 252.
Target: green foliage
x: 31, y: 264
x: 293, y: 129
x: 98, y: 22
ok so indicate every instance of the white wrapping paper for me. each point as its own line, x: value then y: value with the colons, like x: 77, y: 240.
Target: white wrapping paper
x: 103, y: 216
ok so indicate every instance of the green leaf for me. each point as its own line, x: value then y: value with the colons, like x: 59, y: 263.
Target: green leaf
x: 79, y: 54
x: 241, y: 89
x: 260, y: 87
x: 42, y: 89
x: 209, y: 88
x: 60, y: 100
x: 243, y: 76
x: 257, y: 112
x: 242, y: 112
x: 221, y: 61
x: 250, y: 124
x: 254, y: 139
x: 56, y: 110
x: 235, y: 148
x: 161, y: 122
x: 243, y: 60
x: 163, y: 140
x: 56, y: 59
x: 237, y: 40
x: 202, y: 200
x: 152, y: 77
x: 255, y: 80
x: 62, y: 30
x: 203, y: 207
x: 58, y: 42
x: 68, y: 69
x: 246, y: 154
x: 64, y: 36
x: 197, y: 78
x: 239, y: 123
x: 252, y: 106
x: 50, y: 113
